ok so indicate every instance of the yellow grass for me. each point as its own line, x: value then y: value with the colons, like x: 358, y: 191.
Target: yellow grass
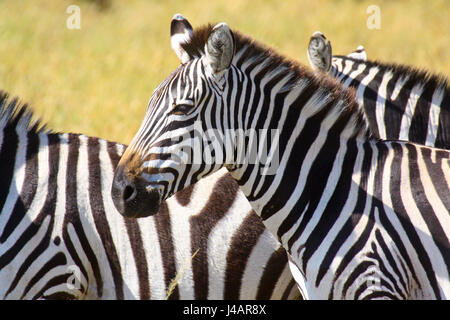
x: 178, y: 276
x: 97, y: 80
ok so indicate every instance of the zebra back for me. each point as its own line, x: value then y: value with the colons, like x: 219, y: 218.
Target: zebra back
x: 400, y: 102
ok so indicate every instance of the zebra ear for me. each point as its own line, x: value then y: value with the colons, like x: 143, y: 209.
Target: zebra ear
x: 359, y: 53
x: 219, y: 49
x: 319, y: 52
x: 180, y: 32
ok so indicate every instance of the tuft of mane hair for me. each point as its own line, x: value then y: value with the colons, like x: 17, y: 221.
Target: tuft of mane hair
x: 17, y: 115
x: 260, y: 53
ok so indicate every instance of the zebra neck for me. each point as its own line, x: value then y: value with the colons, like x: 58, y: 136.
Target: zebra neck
x: 310, y: 138
x: 295, y: 192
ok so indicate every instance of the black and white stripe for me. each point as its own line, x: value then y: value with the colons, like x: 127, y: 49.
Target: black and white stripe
x: 58, y: 223
x: 361, y: 218
x: 401, y: 102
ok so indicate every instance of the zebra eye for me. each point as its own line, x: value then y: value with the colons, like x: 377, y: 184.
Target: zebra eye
x: 180, y: 109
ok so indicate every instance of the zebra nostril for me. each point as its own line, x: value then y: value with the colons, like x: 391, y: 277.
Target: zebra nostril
x: 129, y: 193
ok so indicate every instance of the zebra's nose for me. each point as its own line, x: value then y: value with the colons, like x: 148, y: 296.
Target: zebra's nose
x: 129, y: 193
x: 131, y: 199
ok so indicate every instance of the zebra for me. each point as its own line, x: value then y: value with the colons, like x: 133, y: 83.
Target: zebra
x: 401, y: 102
x: 359, y: 217
x: 62, y: 238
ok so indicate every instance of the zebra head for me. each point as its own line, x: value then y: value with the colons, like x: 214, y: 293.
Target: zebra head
x: 162, y: 157
x: 320, y: 53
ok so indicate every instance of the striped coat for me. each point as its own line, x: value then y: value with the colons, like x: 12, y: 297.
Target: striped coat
x: 62, y: 238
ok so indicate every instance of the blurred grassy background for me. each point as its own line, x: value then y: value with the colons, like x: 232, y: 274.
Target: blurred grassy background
x: 97, y: 80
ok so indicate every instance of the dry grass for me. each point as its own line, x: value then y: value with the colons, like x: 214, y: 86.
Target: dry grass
x: 177, y: 278
x: 98, y: 80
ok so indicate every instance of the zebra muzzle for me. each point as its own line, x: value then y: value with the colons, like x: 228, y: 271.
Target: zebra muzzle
x: 133, y: 197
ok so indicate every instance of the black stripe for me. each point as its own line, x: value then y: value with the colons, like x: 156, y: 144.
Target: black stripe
x: 9, y: 145
x: 72, y: 217
x: 429, y: 216
x: 7, y: 159
x: 340, y: 195
x: 405, y: 220
x: 357, y: 80
x: 385, y: 274
x: 243, y: 241
x: 134, y: 233
x: 55, y: 281
x: 391, y: 261
x: 163, y: 225
x: 356, y: 275
x: 347, y: 75
x: 59, y: 259
x: 137, y: 246
x: 220, y: 201
x: 48, y: 208
x: 262, y: 117
x: 28, y: 191
x: 392, y: 113
x: 384, y: 216
x: 315, y: 183
x: 419, y: 122
x: 306, y: 138
x: 335, y: 206
x: 435, y: 173
x: 401, y: 103
x: 184, y: 196
x: 354, y: 250
x: 288, y: 290
x: 443, y: 132
x: 370, y: 96
x: 98, y: 213
x: 272, y: 273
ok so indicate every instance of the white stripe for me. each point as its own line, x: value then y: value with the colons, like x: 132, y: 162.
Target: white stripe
x: 433, y: 116
x: 311, y: 107
x: 19, y: 259
x: 418, y: 222
x: 219, y: 242
x: 364, y: 83
x: 381, y: 104
x: 263, y: 134
x: 41, y: 189
x: 259, y: 257
x: 410, y: 107
x: 61, y: 180
x: 347, y: 68
x: 116, y: 223
x: 394, y: 219
x: 283, y: 282
x: 88, y: 225
x: 398, y: 87
x: 354, y: 75
x: 442, y: 214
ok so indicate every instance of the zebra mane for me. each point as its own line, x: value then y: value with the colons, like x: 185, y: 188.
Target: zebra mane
x: 17, y: 115
x: 414, y: 74
x: 272, y: 60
